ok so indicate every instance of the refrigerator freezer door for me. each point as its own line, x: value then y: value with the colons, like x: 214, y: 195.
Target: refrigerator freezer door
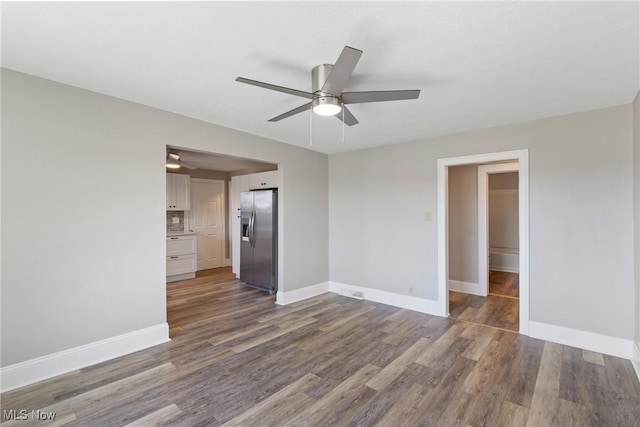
x: 264, y: 238
x: 246, y: 250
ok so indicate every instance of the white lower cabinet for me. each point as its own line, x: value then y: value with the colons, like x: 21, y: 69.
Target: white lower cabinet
x: 181, y: 257
x: 181, y: 264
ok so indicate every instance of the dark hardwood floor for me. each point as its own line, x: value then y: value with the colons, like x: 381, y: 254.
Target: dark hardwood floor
x: 236, y: 358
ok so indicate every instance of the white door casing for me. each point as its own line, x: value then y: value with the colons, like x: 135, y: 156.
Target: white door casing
x: 483, y: 218
x: 443, y: 164
x: 206, y: 218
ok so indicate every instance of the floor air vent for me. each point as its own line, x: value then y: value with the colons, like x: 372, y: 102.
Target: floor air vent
x: 352, y: 294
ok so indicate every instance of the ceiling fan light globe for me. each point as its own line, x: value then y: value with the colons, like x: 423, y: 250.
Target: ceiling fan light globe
x: 327, y: 109
x: 173, y: 161
x: 326, y: 105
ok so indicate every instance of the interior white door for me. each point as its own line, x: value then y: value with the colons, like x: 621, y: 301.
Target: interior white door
x: 207, y: 220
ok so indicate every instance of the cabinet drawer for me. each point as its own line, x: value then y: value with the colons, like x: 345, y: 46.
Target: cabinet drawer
x: 178, y: 245
x: 181, y: 264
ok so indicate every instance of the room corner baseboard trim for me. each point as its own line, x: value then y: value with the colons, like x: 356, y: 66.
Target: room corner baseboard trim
x: 51, y: 365
x: 289, y: 297
x: 397, y: 300
x: 402, y: 301
x: 635, y: 359
x: 466, y: 287
x: 605, y: 344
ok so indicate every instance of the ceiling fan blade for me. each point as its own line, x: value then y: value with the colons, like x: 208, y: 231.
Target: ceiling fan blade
x: 341, y: 71
x: 187, y: 165
x: 300, y: 109
x: 290, y: 91
x: 349, y: 118
x: 378, y: 96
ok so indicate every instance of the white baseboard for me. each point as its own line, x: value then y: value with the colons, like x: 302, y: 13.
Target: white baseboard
x: 284, y: 298
x: 402, y: 301
x: 466, y: 287
x: 397, y: 300
x: 30, y: 371
x: 179, y: 277
x: 504, y: 269
x: 504, y: 259
x: 605, y: 344
x: 635, y: 359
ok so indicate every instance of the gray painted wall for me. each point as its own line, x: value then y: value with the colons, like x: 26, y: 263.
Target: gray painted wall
x: 463, y: 223
x: 83, y: 226
x: 581, y: 216
x: 503, y: 210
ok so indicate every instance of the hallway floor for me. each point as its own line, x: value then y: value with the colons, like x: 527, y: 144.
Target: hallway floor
x: 500, y: 309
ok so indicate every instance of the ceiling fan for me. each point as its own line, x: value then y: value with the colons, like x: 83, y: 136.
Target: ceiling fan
x: 327, y: 85
x: 174, y: 161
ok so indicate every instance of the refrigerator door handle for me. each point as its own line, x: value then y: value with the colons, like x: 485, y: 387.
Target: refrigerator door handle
x: 252, y: 221
x: 249, y: 228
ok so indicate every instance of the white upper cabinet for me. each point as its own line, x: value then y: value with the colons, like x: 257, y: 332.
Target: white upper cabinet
x: 178, y: 192
x: 239, y: 184
x: 263, y: 180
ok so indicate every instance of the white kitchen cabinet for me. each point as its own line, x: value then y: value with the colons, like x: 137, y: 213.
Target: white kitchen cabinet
x: 178, y: 192
x: 263, y: 180
x: 181, y: 257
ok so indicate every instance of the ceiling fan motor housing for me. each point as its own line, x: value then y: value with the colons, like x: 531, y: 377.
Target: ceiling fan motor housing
x: 319, y: 76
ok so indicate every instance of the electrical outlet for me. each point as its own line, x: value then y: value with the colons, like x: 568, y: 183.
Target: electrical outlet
x: 427, y: 216
x: 175, y: 220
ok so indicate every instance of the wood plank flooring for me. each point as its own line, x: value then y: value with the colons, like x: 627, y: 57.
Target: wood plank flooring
x: 504, y: 284
x: 500, y: 309
x: 236, y: 358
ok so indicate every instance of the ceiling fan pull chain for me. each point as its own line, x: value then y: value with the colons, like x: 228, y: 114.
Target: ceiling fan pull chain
x: 343, y: 124
x: 311, y: 126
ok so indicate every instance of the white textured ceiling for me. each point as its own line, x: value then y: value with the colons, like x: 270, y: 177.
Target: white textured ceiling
x: 478, y: 64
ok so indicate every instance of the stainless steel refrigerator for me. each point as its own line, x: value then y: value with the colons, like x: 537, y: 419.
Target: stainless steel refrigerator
x: 259, y: 246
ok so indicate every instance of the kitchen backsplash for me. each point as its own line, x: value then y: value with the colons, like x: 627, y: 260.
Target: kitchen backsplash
x: 177, y: 227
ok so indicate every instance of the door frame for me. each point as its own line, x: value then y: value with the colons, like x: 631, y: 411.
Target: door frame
x: 443, y: 164
x: 223, y: 209
x: 483, y: 217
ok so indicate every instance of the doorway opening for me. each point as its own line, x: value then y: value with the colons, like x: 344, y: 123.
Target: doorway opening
x: 483, y: 244
x: 464, y: 244
x: 203, y: 234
